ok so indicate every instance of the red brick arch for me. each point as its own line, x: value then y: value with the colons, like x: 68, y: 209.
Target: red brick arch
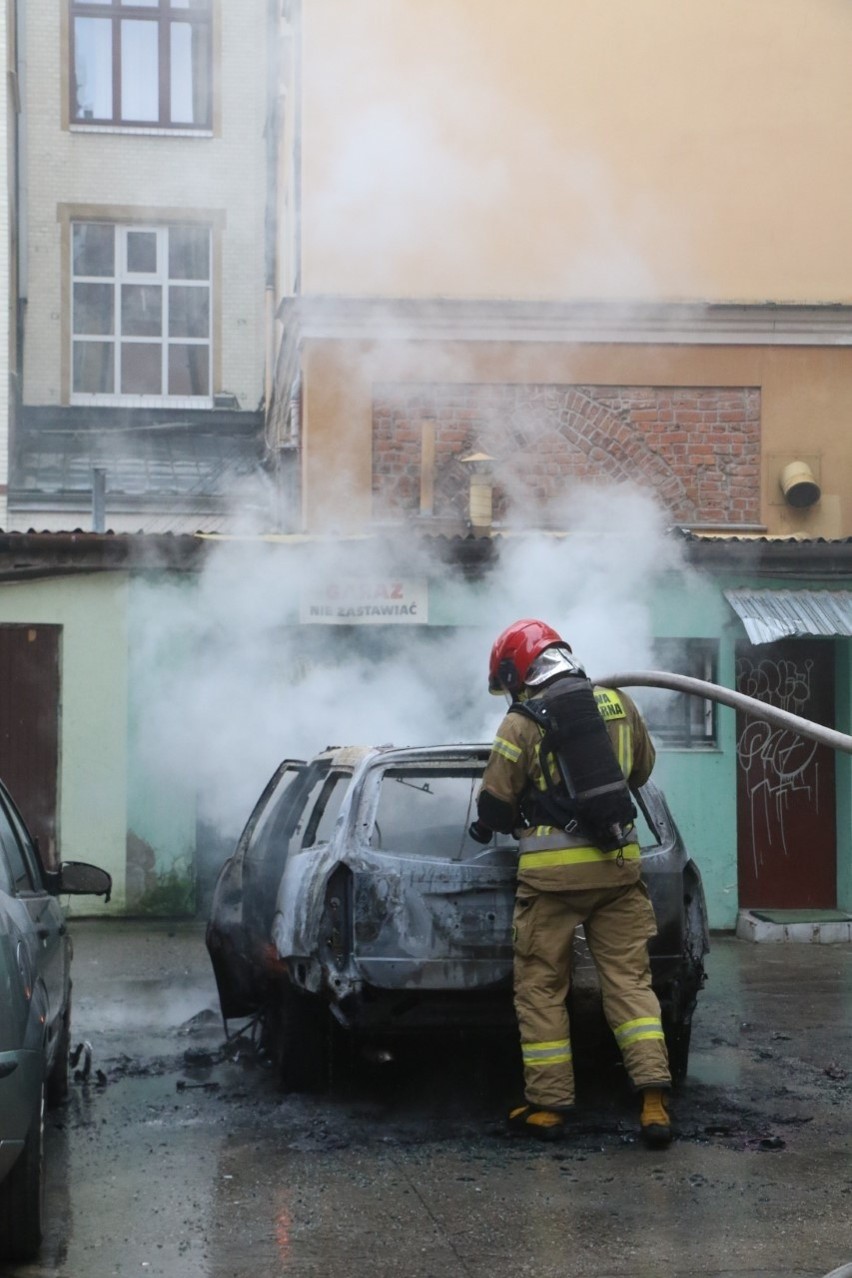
x: 696, y: 448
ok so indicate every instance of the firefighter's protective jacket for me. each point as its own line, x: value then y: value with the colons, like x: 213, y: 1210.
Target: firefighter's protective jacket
x: 552, y: 859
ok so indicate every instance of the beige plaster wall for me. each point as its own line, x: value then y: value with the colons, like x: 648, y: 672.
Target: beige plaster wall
x: 575, y: 149
x: 806, y: 408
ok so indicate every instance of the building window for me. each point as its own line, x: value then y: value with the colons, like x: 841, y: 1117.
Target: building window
x: 142, y: 63
x: 141, y: 313
x: 678, y: 720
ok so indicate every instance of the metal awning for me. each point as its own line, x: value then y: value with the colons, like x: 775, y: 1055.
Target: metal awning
x: 769, y: 615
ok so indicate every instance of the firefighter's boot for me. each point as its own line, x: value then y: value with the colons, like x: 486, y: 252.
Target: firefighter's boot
x: 542, y: 1124
x: 655, y: 1123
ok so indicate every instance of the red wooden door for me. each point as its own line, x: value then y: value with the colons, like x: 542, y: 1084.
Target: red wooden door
x: 29, y: 727
x: 786, y: 818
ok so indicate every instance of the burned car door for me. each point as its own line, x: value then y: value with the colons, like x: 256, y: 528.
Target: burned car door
x: 238, y: 929
x: 431, y: 908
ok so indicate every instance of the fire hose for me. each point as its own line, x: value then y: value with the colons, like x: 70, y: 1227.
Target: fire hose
x: 737, y: 700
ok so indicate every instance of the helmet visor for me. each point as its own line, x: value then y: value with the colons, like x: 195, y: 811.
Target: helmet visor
x: 552, y: 662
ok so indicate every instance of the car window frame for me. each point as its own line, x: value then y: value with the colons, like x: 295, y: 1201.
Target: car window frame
x: 329, y: 787
x: 27, y: 848
x: 266, y: 809
x: 369, y: 800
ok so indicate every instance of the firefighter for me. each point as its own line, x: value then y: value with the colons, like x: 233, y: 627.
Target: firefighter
x: 567, y: 878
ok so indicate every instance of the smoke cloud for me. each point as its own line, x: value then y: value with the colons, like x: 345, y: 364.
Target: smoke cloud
x: 233, y: 683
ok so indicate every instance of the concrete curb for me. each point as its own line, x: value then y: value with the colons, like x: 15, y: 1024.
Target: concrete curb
x: 750, y: 928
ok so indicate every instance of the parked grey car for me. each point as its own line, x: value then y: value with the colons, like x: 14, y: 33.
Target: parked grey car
x: 35, y: 1019
x: 355, y: 900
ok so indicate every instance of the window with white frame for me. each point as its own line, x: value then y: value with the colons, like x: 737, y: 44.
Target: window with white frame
x: 141, y: 313
x: 679, y: 720
x: 141, y: 63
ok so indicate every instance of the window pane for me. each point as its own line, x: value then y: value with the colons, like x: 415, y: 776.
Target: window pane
x: 94, y: 309
x: 189, y: 370
x: 92, y: 69
x: 189, y: 253
x: 94, y: 249
x: 142, y: 252
x: 141, y: 310
x: 142, y: 4
x: 141, y: 368
x: 200, y: 6
x: 679, y: 720
x: 190, y: 75
x: 189, y: 311
x: 93, y: 368
x: 140, y: 84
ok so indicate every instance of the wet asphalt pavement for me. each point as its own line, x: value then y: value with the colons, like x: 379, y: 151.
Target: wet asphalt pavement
x: 175, y: 1157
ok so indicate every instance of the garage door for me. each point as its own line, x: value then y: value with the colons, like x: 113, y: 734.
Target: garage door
x: 786, y: 818
x: 29, y: 726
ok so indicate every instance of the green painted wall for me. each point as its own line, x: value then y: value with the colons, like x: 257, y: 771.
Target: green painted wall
x: 161, y: 803
x: 92, y: 611
x: 118, y: 809
x: 701, y: 784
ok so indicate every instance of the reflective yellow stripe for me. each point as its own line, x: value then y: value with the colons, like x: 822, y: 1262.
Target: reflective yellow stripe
x: 507, y: 750
x: 642, y: 1028
x: 576, y: 856
x: 625, y: 749
x: 556, y: 1052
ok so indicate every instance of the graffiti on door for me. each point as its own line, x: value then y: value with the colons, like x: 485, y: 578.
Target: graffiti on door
x: 779, y: 766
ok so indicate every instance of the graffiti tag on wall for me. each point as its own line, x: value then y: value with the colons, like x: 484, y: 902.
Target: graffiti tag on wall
x: 779, y: 765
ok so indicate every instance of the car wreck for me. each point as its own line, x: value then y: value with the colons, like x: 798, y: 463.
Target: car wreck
x: 357, y: 907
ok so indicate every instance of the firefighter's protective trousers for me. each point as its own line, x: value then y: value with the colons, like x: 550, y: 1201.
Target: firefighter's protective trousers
x: 618, y: 921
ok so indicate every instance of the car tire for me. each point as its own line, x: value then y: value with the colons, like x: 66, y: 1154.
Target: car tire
x: 297, y: 1038
x: 57, y: 1079
x: 678, y: 1035
x: 22, y: 1194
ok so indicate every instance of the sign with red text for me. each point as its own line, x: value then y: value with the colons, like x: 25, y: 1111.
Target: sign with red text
x: 366, y: 601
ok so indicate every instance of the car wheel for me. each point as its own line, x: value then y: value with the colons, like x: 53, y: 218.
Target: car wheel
x: 57, y: 1079
x: 22, y: 1194
x: 297, y: 1038
x: 678, y: 1035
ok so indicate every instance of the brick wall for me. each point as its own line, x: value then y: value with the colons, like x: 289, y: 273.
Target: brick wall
x: 696, y: 448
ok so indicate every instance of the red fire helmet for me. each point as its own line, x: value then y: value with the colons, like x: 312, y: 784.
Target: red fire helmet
x: 515, y: 650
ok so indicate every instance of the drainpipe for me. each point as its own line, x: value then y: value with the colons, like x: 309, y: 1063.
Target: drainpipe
x: 272, y: 212
x: 98, y: 499
x: 736, y: 700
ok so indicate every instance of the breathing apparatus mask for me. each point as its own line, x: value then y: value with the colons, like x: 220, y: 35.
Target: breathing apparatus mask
x: 549, y: 664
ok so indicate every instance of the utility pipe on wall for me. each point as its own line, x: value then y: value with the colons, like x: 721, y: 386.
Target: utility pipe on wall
x: 727, y: 697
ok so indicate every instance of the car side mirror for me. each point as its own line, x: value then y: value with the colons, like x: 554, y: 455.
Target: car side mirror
x: 76, y: 878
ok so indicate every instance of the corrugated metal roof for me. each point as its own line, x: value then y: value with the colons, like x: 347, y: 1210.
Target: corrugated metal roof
x: 769, y: 615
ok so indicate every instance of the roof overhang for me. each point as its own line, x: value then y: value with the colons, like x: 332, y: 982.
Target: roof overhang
x: 771, y: 615
x: 511, y: 320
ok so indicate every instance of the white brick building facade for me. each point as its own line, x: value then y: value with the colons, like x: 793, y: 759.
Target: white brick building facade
x: 140, y: 176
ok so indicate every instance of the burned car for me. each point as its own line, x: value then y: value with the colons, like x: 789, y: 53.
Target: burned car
x: 35, y: 1018
x: 356, y: 901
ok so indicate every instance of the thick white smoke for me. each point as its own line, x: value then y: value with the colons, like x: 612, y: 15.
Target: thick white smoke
x: 233, y: 683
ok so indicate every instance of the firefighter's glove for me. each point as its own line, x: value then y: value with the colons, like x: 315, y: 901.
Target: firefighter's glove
x: 480, y: 833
